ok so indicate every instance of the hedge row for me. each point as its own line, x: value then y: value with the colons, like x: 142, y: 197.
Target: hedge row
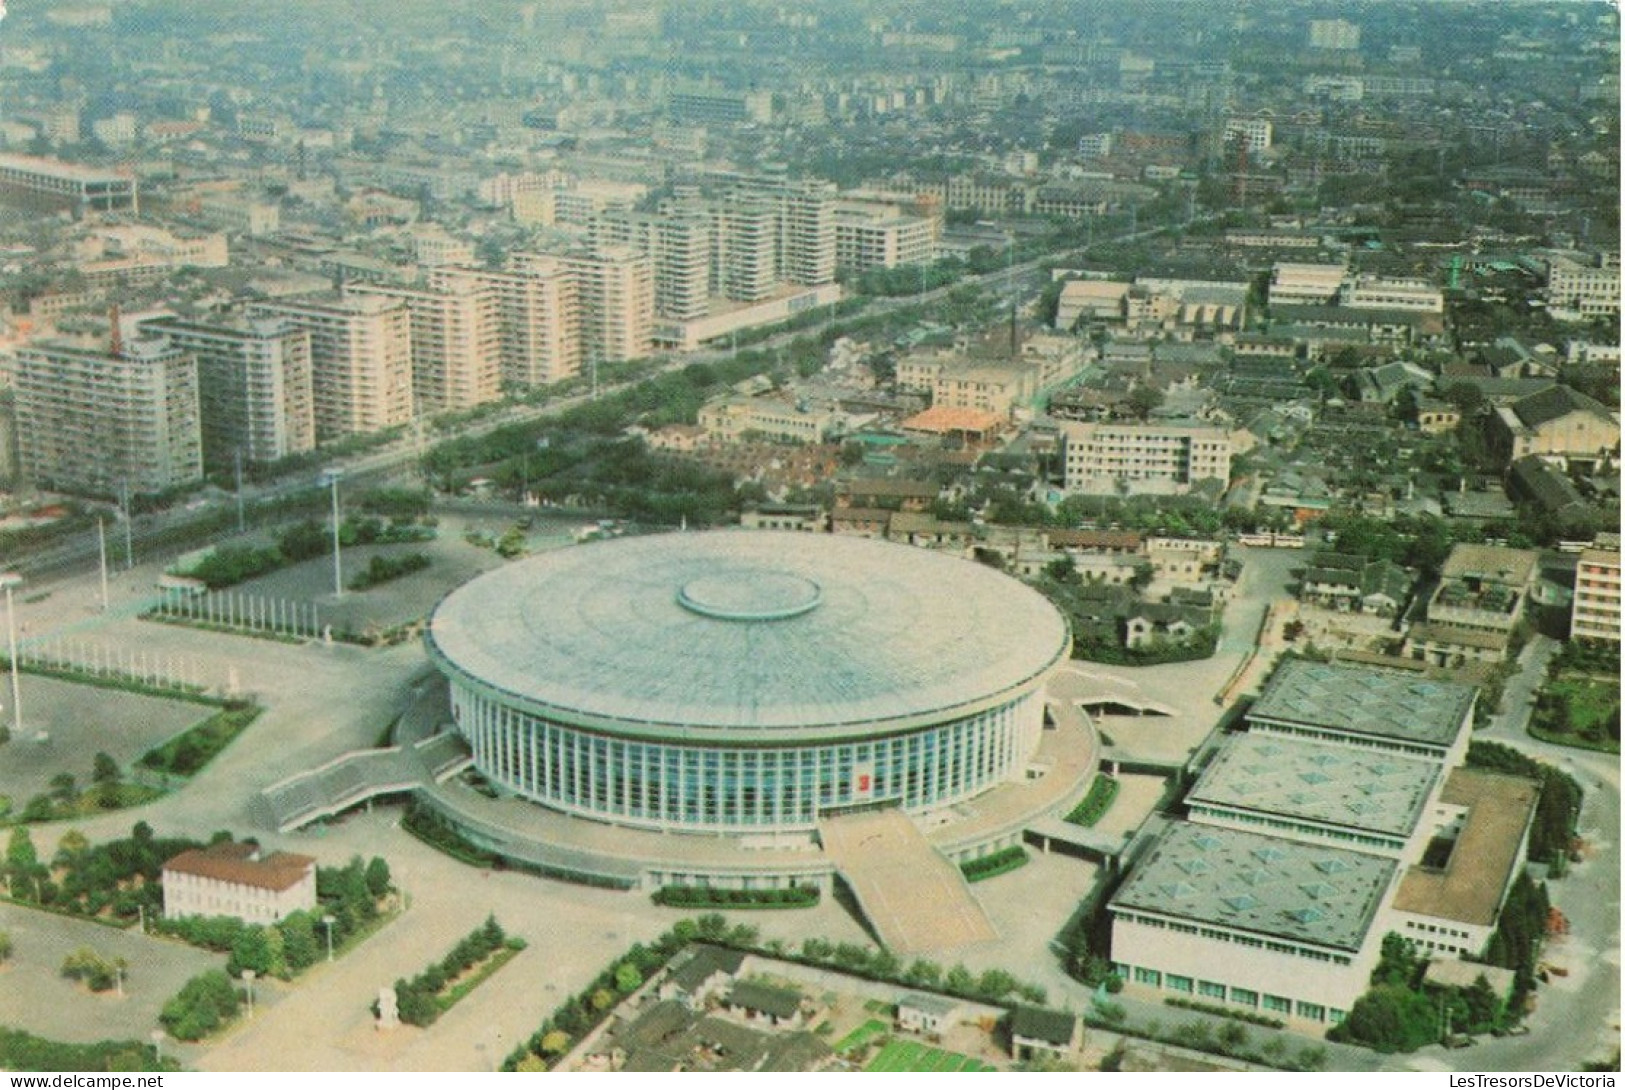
x: 1232, y: 1013
x: 1102, y: 793
x: 424, y: 998
x: 991, y: 866
x: 705, y: 897
x: 22, y: 1051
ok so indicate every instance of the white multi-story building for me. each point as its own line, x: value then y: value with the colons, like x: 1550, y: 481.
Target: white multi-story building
x: 229, y: 879
x: 1583, y: 288
x: 538, y: 320
x: 360, y: 358
x: 101, y: 421
x: 1259, y: 131
x: 1155, y: 456
x: 1298, y: 284
x: 1392, y: 293
x: 744, y: 259
x: 615, y: 286
x: 254, y: 386
x: 1338, y: 34
x: 51, y: 183
x: 872, y: 235
x: 456, y: 343
x: 1596, y: 596
x: 678, y: 242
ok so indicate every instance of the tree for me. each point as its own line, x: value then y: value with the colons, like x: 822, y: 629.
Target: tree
x: 299, y: 945
x: 1063, y: 569
x: 98, y: 973
x: 1389, y: 1019
x: 627, y: 978
x: 377, y: 878
x: 1144, y: 399
x: 72, y: 845
x: 104, y: 771
x: 1483, y: 1006
x: 252, y: 950
x: 1398, y: 964
x: 64, y: 788
x: 20, y: 854
x: 1233, y: 1038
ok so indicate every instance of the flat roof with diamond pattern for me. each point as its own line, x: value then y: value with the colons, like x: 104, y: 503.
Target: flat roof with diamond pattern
x: 1318, y: 781
x: 1260, y: 884
x: 1366, y: 700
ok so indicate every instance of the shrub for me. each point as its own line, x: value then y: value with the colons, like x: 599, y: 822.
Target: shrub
x: 204, y: 1004
x: 1000, y: 862
x: 97, y: 972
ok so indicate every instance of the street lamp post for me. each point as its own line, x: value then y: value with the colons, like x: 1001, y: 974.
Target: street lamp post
x: 331, y: 479
x: 9, y: 580
x: 327, y: 922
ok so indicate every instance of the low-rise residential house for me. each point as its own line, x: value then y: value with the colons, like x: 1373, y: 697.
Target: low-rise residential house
x: 859, y: 521
x: 1356, y: 584
x: 1173, y: 622
x: 1434, y: 417
x: 1481, y: 597
x: 800, y: 517
x: 929, y: 1015
x: 1181, y: 560
x: 1384, y: 383
x: 1534, y: 480
x: 887, y: 493
x: 704, y: 975
x: 1038, y: 1034
x: 766, y: 1005
x: 928, y: 531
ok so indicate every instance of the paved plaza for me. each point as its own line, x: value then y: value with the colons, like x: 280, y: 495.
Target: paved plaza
x: 65, y: 725
x: 35, y: 996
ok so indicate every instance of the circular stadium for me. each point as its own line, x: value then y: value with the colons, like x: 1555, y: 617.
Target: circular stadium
x: 746, y: 682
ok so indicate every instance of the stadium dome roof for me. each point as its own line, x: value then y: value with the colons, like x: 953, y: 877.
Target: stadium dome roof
x: 747, y: 631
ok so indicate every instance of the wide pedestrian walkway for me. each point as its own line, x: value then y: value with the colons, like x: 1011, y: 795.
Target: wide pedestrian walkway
x: 914, y: 898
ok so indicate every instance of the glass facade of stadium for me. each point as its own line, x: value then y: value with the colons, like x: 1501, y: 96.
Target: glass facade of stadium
x: 723, y: 786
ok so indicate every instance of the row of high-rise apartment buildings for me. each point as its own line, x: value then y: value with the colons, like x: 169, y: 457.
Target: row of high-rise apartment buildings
x: 284, y: 375
x: 743, y: 241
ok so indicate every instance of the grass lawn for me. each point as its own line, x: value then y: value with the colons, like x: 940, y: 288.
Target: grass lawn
x: 915, y: 1056
x: 1590, y: 703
